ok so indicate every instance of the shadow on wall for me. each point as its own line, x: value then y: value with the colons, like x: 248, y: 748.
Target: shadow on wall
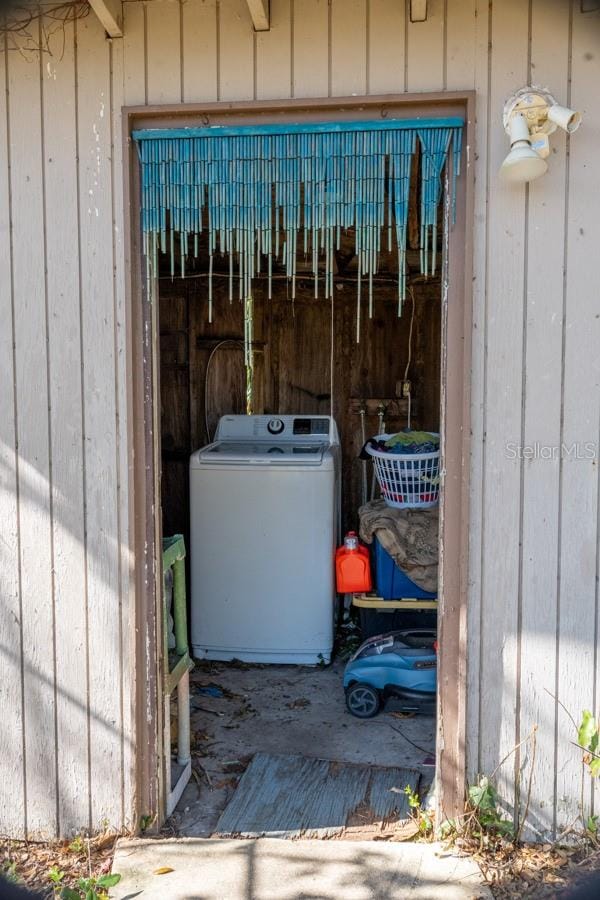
x: 525, y: 769
x: 64, y: 746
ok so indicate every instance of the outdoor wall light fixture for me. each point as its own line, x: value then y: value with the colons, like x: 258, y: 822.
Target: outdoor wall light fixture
x: 529, y: 117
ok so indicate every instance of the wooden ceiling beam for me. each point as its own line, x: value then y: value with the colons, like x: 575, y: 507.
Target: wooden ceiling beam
x: 260, y: 14
x: 110, y: 13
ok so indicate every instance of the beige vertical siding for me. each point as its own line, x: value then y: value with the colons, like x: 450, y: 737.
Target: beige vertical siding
x: 65, y: 626
x: 64, y: 620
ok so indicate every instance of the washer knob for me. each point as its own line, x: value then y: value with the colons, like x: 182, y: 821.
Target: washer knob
x: 275, y: 426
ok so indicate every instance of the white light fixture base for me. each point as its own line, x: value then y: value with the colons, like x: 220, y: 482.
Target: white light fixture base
x: 541, y: 112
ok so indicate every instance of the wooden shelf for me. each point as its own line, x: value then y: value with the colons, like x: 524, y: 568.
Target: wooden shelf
x: 369, y: 601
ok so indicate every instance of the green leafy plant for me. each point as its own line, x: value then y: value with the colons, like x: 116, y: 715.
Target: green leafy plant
x: 146, y: 823
x: 421, y: 816
x: 588, y: 740
x: 56, y: 876
x: 9, y: 871
x: 483, y: 802
x: 77, y: 845
x: 591, y: 827
x: 90, y: 888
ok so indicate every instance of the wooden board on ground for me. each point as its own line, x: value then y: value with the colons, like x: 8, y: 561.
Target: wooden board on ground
x: 294, y: 796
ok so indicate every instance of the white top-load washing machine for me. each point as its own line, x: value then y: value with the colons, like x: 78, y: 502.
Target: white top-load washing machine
x: 264, y: 510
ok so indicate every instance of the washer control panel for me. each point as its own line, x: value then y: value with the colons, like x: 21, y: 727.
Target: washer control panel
x: 285, y: 428
x: 315, y: 427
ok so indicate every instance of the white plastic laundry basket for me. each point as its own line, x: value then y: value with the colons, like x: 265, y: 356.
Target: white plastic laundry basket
x: 407, y: 479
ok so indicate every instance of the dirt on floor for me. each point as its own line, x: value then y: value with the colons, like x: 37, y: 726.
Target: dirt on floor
x: 239, y: 709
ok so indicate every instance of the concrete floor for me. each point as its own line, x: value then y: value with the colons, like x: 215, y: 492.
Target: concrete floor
x: 270, y: 869
x: 284, y: 709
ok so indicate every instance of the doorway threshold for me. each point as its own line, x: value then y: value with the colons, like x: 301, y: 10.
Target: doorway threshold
x: 271, y: 869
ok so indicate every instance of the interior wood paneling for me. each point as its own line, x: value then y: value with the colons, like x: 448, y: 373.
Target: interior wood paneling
x: 292, y: 369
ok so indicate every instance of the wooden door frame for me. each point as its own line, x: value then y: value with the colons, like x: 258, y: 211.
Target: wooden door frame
x: 144, y: 434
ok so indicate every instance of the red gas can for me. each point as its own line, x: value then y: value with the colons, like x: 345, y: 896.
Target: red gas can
x: 352, y: 566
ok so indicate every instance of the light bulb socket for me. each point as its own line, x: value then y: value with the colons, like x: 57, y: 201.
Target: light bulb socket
x: 567, y: 119
x: 518, y: 129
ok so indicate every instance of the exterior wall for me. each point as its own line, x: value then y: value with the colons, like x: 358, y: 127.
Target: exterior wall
x: 67, y: 612
x: 65, y: 627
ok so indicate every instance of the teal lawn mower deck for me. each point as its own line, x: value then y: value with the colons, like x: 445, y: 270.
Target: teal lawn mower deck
x: 400, y: 664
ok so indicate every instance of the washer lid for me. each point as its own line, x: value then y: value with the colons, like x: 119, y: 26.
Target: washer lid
x: 262, y: 453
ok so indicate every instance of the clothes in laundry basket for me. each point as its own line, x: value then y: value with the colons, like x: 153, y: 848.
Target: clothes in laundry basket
x: 409, y: 442
x: 410, y: 536
x: 413, y: 442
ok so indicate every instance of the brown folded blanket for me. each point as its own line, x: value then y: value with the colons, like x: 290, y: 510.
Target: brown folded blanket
x: 410, y: 536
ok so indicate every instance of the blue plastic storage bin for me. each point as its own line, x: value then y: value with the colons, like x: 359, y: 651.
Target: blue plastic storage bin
x: 391, y: 582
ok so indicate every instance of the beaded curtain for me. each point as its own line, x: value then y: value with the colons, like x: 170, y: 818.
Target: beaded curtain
x: 264, y: 193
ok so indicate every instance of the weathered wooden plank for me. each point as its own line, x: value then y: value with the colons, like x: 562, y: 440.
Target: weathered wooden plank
x: 292, y: 796
x: 504, y: 384
x: 578, y: 599
x: 226, y: 388
x: 195, y: 412
x: 478, y: 398
x: 462, y: 24
x: 60, y: 172
x: 348, y: 47
x: 542, y: 425
x: 310, y: 58
x: 12, y: 797
x: 273, y: 54
x: 260, y: 14
x: 426, y: 368
x: 199, y: 50
x: 236, y: 52
x: 123, y: 404
x: 110, y: 14
x: 97, y: 304
x: 386, y: 32
x: 39, y: 758
x: 134, y: 51
x: 163, y: 49
x: 425, y: 50
x: 174, y: 385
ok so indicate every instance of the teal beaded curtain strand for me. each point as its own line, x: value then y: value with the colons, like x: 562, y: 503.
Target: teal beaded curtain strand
x: 268, y: 192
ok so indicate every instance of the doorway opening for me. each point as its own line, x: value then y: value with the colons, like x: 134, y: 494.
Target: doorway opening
x: 239, y: 709
x: 307, y: 370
